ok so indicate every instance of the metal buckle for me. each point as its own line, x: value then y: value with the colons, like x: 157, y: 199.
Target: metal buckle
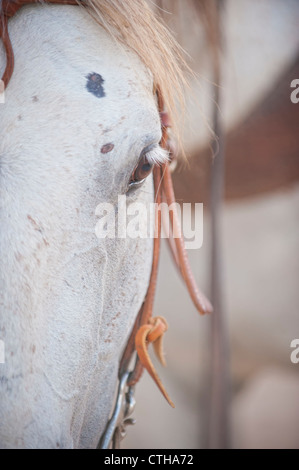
x: 115, y: 429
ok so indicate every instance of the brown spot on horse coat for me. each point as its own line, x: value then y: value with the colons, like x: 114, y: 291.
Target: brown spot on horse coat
x: 107, y: 148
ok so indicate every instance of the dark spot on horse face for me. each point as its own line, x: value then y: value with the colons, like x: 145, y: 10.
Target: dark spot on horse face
x: 35, y: 99
x: 107, y: 148
x: 34, y: 223
x: 95, y: 84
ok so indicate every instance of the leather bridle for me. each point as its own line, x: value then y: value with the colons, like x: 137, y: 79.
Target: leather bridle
x: 146, y: 328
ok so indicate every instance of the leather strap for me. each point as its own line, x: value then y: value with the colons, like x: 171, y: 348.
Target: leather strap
x: 142, y: 330
x: 146, y: 329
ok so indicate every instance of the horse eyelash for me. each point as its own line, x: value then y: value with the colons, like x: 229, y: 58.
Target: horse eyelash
x: 157, y: 156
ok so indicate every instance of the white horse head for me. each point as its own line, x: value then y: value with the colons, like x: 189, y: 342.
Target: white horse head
x: 79, y: 112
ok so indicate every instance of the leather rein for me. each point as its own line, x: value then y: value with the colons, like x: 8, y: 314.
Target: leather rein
x: 147, y: 328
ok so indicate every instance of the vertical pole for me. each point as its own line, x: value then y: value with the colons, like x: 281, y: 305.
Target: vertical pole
x: 219, y: 435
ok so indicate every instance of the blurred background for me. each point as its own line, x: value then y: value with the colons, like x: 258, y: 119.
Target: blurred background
x: 250, y: 48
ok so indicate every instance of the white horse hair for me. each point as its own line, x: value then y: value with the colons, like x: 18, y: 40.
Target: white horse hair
x: 68, y: 300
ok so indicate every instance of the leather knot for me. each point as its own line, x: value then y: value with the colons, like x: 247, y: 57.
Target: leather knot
x: 152, y: 332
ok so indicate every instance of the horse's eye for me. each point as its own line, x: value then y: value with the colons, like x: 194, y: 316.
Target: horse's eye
x: 141, y: 171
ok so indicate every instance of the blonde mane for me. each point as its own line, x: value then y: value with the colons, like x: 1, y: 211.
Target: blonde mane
x: 134, y: 24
